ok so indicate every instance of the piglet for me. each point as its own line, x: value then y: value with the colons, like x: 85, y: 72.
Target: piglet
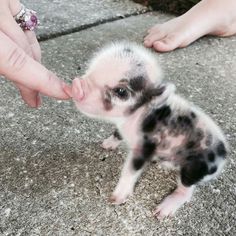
x: 123, y: 85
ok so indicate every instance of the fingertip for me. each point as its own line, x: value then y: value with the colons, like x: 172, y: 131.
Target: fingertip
x: 29, y: 97
x: 46, y: 83
x: 32, y: 104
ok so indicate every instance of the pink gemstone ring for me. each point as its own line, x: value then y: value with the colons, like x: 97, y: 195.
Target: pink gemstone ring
x: 27, y: 19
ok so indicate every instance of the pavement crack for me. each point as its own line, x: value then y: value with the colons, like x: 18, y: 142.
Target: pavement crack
x: 45, y: 37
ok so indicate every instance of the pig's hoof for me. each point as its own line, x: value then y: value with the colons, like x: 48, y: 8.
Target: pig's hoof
x: 162, y: 211
x: 170, y: 205
x: 110, y: 143
x: 117, y: 200
x: 173, y: 202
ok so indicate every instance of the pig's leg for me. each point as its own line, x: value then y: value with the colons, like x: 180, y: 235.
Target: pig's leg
x: 132, y: 169
x: 174, y: 201
x: 126, y: 182
x: 113, y: 141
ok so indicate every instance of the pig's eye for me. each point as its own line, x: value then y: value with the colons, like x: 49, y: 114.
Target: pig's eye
x: 121, y: 92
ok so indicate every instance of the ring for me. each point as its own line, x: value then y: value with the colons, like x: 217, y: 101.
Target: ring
x: 27, y: 19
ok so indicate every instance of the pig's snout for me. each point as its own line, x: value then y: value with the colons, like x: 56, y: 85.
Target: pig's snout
x: 78, y: 89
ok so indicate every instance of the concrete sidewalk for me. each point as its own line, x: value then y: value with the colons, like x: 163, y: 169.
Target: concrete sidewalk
x: 55, y: 178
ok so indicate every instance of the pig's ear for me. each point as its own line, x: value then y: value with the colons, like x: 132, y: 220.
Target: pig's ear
x: 169, y: 88
x: 164, y: 89
x: 156, y: 90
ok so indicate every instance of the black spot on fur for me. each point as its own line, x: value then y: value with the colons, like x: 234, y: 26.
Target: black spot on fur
x: 173, y: 124
x: 138, y: 163
x: 149, y: 123
x: 162, y: 113
x: 212, y: 170
x: 184, y: 122
x: 158, y: 115
x: 147, y: 151
x: 139, y: 64
x: 161, y: 158
x: 193, y: 171
x: 137, y: 83
x: 193, y: 115
x: 179, y: 152
x: 128, y: 50
x: 209, y: 140
x: 149, y: 147
x: 117, y: 135
x: 190, y: 144
x: 194, y: 137
x: 211, y: 156
x: 220, y: 149
x: 107, y: 101
x: 199, y: 134
x: 193, y: 156
x: 190, y: 157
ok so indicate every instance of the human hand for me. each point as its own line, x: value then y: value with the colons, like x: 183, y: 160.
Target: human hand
x: 20, y: 58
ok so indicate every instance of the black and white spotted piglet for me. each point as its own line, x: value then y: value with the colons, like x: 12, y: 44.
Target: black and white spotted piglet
x: 123, y: 85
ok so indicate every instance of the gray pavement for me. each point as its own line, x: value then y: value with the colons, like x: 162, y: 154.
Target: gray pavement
x: 59, y: 17
x: 55, y: 178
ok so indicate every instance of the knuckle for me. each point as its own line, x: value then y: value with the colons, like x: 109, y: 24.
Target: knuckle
x: 16, y: 59
x: 28, y: 50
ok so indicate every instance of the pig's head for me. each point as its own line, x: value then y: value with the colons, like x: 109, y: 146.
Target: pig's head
x: 120, y: 79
